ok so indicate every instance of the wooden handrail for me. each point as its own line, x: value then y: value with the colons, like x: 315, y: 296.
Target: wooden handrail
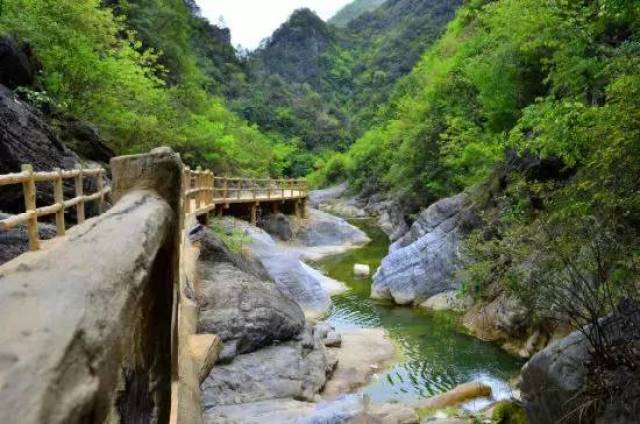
x: 203, y: 190
x: 200, y: 194
x: 29, y: 179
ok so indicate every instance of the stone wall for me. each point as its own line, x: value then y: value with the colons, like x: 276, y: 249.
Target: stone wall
x: 86, y: 331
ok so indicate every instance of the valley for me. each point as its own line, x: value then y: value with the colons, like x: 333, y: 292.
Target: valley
x: 475, y: 162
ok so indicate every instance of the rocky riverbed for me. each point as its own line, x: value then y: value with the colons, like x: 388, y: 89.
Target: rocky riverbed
x: 276, y: 364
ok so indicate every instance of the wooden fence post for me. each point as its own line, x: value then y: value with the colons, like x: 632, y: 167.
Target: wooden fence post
x: 254, y: 213
x: 79, y: 194
x: 186, y: 188
x: 198, y: 187
x: 212, y: 186
x: 100, y: 187
x: 58, y: 198
x: 29, y: 191
x: 253, y: 188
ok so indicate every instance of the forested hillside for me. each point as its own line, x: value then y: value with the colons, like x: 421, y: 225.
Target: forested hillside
x: 146, y: 73
x: 354, y: 10
x: 322, y: 85
x: 496, y: 142
x: 532, y: 108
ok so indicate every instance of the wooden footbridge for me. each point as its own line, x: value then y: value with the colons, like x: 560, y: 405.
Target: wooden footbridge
x: 205, y: 192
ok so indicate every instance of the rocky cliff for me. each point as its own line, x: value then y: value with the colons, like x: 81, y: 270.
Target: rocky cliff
x: 46, y: 139
x: 424, y: 262
x: 294, y: 51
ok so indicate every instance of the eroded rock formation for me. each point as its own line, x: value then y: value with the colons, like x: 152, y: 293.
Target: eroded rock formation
x: 424, y: 261
x: 246, y: 311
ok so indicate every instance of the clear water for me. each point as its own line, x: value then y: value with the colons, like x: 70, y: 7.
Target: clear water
x: 436, y: 354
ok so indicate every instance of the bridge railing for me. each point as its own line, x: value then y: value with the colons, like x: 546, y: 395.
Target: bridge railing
x: 30, y: 216
x: 203, y: 190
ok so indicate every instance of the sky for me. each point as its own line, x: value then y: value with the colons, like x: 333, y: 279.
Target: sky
x: 252, y: 20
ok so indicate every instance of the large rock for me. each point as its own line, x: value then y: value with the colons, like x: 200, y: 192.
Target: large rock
x: 18, y: 67
x: 512, y: 316
x: 555, y: 381
x: 431, y: 218
x: 83, y: 138
x: 278, y: 225
x: 447, y: 301
x: 296, y: 369
x: 424, y: 262
x: 348, y: 409
x: 25, y: 138
x: 390, y: 217
x: 318, y: 197
x: 362, y: 352
x: 307, y: 286
x: 321, y: 229
x: 245, y: 311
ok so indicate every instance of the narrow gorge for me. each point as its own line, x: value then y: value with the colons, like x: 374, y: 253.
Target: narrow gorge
x: 320, y: 212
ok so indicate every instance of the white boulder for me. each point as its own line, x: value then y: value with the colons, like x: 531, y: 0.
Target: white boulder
x: 361, y: 270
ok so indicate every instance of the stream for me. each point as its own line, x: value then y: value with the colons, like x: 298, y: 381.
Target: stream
x: 436, y: 354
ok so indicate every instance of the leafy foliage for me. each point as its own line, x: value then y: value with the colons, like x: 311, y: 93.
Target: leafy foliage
x: 536, y: 76
x: 323, y: 84
x: 141, y: 86
x: 354, y: 10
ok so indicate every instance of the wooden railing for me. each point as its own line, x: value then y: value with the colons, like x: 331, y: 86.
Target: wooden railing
x: 28, y: 179
x: 203, y: 191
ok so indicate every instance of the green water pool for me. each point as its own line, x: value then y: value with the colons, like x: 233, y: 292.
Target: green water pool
x: 436, y: 353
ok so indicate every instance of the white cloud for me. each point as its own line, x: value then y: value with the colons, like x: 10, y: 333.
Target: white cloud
x: 252, y: 20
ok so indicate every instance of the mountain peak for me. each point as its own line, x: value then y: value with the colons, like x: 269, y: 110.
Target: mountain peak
x: 294, y: 49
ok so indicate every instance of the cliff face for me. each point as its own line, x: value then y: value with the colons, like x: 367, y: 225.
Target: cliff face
x: 294, y: 51
x: 326, y: 82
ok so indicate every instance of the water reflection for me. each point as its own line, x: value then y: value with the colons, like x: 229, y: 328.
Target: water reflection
x: 437, y: 356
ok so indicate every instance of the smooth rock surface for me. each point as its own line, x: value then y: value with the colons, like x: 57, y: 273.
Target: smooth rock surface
x: 317, y: 197
x: 305, y: 285
x: 347, y: 409
x: 553, y: 379
x: 323, y: 229
x: 424, y: 262
x: 361, y: 270
x: 295, y: 369
x: 246, y: 312
x: 26, y: 138
x: 447, y: 301
x: 362, y: 353
x: 349, y: 207
x: 278, y: 225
